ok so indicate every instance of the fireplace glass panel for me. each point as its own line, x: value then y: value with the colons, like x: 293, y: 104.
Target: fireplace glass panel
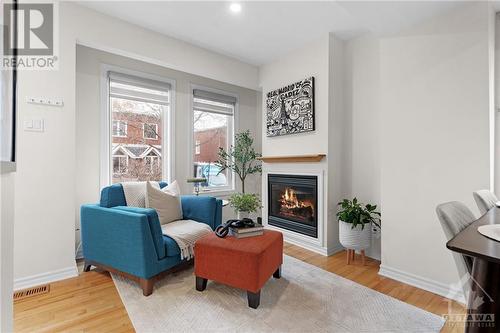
x: 293, y: 203
x: 297, y: 203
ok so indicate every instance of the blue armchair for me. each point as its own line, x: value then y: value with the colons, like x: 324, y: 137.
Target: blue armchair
x: 129, y: 240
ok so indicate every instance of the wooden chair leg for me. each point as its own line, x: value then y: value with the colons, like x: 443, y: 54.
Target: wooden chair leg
x: 363, y: 257
x: 147, y: 286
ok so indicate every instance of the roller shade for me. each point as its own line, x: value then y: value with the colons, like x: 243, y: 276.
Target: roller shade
x: 138, y: 89
x: 212, y: 102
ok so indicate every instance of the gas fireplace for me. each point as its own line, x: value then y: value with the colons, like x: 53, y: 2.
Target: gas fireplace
x: 293, y: 203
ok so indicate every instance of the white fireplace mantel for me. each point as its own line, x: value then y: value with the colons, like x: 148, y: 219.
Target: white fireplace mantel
x: 316, y: 244
x: 292, y: 158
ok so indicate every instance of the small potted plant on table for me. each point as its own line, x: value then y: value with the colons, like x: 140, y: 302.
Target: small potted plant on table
x: 356, y: 222
x: 244, y: 204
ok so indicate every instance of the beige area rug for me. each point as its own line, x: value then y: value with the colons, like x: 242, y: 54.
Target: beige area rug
x: 305, y: 299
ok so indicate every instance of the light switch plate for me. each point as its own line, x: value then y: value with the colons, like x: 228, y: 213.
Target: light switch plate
x: 34, y: 125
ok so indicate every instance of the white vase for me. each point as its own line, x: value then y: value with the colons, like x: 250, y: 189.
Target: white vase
x: 357, y: 238
x: 242, y: 215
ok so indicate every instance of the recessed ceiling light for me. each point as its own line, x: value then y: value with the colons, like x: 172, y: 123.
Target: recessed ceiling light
x: 235, y: 7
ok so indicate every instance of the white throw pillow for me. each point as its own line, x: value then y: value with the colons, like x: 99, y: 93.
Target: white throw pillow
x: 166, y: 202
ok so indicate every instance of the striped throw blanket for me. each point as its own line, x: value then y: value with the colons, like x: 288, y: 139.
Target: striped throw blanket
x: 185, y: 233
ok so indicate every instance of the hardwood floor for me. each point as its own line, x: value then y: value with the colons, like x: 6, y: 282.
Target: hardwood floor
x: 90, y: 302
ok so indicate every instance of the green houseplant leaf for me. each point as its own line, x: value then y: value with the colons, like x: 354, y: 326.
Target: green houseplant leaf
x: 354, y: 212
x: 244, y: 202
x: 240, y: 158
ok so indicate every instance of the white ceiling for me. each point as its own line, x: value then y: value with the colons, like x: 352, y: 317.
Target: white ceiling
x: 263, y: 31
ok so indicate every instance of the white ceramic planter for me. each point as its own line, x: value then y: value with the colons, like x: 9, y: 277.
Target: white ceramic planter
x: 242, y: 215
x: 355, y: 239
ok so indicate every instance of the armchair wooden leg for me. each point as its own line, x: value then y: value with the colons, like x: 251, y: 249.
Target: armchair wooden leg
x: 147, y: 286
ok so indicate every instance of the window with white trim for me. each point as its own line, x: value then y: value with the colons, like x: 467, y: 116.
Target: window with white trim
x: 150, y: 131
x: 213, y: 128
x: 120, y: 128
x: 139, y: 108
x: 197, y: 148
x: 153, y: 163
x: 120, y: 164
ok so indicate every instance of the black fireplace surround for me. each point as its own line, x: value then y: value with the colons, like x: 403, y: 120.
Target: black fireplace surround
x: 293, y: 203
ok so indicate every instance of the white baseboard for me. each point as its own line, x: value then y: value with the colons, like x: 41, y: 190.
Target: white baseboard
x: 43, y: 278
x: 317, y: 249
x: 442, y: 289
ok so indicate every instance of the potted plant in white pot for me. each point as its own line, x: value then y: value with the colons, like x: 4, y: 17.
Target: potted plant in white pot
x: 356, y: 222
x: 242, y: 159
x: 244, y: 204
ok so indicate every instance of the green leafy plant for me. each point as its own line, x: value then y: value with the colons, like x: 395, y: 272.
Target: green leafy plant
x: 240, y: 158
x: 244, y: 202
x: 355, y: 212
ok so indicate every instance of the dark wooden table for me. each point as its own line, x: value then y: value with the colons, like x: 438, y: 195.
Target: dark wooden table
x: 485, y: 282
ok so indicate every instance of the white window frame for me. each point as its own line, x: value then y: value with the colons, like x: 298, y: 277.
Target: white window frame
x: 197, y: 147
x: 126, y: 163
x: 126, y: 129
x: 144, y: 131
x: 151, y: 158
x: 231, y: 188
x: 168, y: 121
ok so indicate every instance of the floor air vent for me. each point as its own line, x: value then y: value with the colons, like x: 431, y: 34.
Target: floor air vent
x: 21, y: 294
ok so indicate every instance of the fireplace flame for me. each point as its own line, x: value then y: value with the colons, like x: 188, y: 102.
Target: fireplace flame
x: 289, y: 201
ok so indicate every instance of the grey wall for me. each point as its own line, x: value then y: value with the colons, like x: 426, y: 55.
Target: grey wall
x: 88, y: 117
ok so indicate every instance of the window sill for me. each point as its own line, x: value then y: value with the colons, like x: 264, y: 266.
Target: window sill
x: 217, y: 193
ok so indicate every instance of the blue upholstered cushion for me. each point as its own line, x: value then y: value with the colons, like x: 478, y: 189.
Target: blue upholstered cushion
x: 154, y: 226
x: 171, y: 247
x: 120, y: 239
x: 112, y: 196
x: 201, y: 209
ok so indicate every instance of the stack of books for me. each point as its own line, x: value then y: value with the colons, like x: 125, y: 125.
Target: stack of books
x: 245, y: 232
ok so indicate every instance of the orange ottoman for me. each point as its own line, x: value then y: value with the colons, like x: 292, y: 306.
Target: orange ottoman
x: 245, y: 263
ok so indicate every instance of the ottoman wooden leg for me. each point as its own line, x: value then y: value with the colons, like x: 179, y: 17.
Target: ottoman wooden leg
x: 253, y: 299
x: 201, y: 283
x: 277, y: 274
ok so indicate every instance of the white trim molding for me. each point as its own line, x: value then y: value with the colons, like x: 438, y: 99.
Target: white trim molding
x: 43, y: 278
x: 317, y: 244
x: 168, y: 141
x: 225, y: 190
x: 439, y: 288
